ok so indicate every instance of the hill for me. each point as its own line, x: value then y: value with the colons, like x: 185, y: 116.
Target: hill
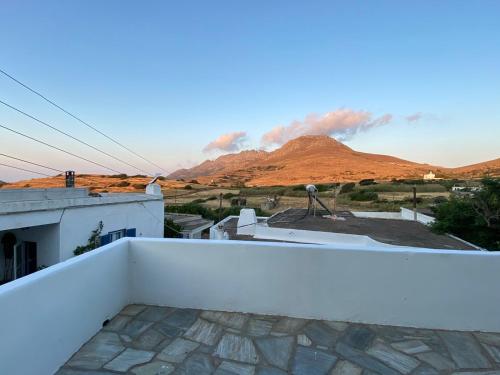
x: 317, y: 159
x: 307, y: 159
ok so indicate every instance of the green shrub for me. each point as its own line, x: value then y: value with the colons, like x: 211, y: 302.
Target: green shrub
x: 363, y: 196
x: 474, y: 218
x: 229, y: 195
x: 367, y: 181
x: 121, y: 176
x: 188, y: 187
x: 346, y: 188
x: 121, y: 184
x: 171, y: 229
x: 93, y: 241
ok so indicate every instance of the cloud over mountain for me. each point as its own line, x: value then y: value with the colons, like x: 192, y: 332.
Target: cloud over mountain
x: 414, y: 117
x: 342, y: 124
x: 227, y: 142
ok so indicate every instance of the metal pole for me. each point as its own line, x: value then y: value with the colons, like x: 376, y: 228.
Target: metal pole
x: 415, y: 203
x: 220, y: 206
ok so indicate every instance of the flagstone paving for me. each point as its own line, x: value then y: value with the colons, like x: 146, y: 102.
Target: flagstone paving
x: 152, y: 340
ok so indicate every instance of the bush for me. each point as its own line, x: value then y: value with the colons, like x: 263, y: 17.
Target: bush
x: 121, y: 184
x: 121, y: 176
x: 229, y: 196
x: 139, y: 176
x: 363, y: 196
x: 139, y: 186
x: 194, y: 182
x: 475, y: 219
x: 439, y: 199
x: 367, y: 181
x: 188, y: 187
x: 211, y: 198
x: 171, y: 229
x: 346, y: 188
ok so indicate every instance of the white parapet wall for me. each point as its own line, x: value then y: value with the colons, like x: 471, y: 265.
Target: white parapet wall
x: 46, y: 316
x: 442, y: 289
x: 403, y: 214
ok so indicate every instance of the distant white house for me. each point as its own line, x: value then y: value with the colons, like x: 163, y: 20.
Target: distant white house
x: 429, y: 176
x: 41, y: 227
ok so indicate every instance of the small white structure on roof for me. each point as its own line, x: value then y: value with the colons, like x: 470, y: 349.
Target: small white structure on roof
x: 42, y: 227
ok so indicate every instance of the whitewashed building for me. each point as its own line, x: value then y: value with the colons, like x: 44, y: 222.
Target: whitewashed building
x: 42, y: 227
x: 429, y: 176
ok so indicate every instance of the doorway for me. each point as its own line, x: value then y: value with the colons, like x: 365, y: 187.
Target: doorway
x: 25, y: 259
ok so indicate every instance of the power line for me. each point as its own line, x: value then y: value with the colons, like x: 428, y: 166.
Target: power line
x: 80, y: 120
x: 70, y: 136
x: 30, y: 162
x: 26, y: 170
x: 59, y: 149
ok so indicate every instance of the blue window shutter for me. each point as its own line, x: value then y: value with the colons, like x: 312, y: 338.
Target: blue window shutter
x: 104, y: 240
x: 130, y: 232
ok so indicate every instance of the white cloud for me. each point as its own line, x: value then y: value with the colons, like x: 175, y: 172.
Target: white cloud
x: 342, y: 124
x: 227, y: 142
x: 415, y: 117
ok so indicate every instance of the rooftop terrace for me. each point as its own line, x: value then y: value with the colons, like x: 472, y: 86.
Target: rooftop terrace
x: 162, y: 340
x: 352, y: 308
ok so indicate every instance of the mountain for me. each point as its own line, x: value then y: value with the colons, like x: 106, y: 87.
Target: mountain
x: 316, y: 159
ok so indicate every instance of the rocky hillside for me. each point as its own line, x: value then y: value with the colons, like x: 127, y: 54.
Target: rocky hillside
x: 317, y: 159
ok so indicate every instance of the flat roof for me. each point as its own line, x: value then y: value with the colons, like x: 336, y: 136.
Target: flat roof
x: 389, y: 231
x: 30, y: 200
x: 189, y: 222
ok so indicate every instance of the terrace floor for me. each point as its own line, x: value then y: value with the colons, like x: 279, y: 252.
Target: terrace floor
x: 150, y: 340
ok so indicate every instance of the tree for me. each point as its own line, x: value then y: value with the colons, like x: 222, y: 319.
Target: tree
x: 486, y: 202
x: 474, y: 218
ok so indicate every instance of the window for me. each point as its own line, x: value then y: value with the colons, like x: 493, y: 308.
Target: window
x: 116, y: 235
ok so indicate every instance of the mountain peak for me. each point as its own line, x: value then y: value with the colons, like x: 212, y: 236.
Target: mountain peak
x: 307, y: 142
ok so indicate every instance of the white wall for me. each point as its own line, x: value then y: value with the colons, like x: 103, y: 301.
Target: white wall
x: 406, y: 287
x: 407, y: 214
x: 78, y: 223
x: 378, y: 215
x: 45, y: 317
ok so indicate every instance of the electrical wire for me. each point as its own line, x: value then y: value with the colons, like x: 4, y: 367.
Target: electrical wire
x: 80, y: 120
x: 26, y: 170
x: 70, y: 136
x: 59, y: 149
x: 31, y: 162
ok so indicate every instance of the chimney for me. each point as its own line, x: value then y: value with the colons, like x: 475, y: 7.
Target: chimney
x: 70, y: 179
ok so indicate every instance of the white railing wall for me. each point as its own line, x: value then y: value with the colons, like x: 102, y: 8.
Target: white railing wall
x: 47, y: 316
x: 442, y: 289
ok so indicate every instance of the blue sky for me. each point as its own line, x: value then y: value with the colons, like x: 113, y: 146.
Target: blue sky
x: 168, y: 78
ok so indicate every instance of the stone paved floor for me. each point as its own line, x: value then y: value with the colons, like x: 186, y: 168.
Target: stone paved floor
x: 147, y: 340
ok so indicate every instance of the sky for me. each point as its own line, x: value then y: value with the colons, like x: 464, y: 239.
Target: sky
x: 181, y: 82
